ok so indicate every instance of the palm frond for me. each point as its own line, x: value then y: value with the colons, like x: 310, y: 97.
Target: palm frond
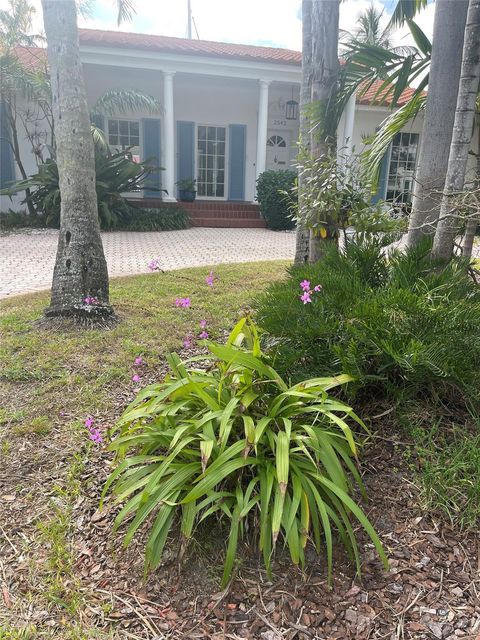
x: 125, y: 10
x: 405, y: 10
x: 372, y: 158
x: 123, y: 101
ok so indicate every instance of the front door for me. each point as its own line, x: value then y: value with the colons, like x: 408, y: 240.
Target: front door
x: 278, y: 150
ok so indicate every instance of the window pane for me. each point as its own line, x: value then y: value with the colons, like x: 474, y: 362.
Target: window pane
x: 124, y: 141
x: 123, y: 127
x: 113, y: 126
x: 202, y: 133
x: 112, y: 139
x: 221, y: 133
x: 134, y: 128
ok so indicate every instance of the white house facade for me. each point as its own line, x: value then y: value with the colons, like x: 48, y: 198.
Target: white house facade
x: 228, y: 112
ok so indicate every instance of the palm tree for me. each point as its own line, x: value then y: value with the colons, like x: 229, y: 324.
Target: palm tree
x: 303, y: 234
x: 80, y: 268
x: 462, y: 134
x: 448, y: 32
x: 18, y: 81
x: 325, y: 75
x: 370, y: 30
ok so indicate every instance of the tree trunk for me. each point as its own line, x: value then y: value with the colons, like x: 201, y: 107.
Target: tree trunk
x: 80, y: 268
x: 447, y: 45
x: 303, y: 234
x: 325, y: 72
x: 462, y: 135
x: 473, y: 222
x: 16, y: 154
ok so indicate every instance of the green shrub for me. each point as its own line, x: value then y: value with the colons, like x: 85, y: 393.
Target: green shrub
x: 235, y: 443
x: 116, y: 174
x: 397, y: 325
x: 272, y: 187
x: 21, y: 219
x: 165, y: 218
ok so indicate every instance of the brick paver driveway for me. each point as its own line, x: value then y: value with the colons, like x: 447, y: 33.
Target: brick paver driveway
x: 27, y: 258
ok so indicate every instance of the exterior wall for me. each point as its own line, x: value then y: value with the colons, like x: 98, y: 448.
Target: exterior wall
x: 220, y: 101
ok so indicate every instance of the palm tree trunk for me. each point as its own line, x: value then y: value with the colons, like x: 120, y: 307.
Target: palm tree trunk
x: 474, y: 221
x: 447, y: 45
x: 325, y: 72
x: 80, y: 268
x: 303, y: 234
x: 462, y: 134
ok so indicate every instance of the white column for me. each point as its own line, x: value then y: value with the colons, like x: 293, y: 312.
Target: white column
x: 168, y: 177
x: 348, y: 131
x: 262, y: 127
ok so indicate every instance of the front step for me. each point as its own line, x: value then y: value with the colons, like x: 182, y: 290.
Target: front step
x: 214, y: 213
x: 228, y: 223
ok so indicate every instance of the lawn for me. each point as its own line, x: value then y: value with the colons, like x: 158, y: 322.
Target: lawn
x: 65, y: 576
x: 52, y: 381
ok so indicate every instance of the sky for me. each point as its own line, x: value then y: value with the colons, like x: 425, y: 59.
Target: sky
x: 262, y: 22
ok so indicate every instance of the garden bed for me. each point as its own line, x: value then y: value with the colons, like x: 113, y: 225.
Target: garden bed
x: 66, y: 576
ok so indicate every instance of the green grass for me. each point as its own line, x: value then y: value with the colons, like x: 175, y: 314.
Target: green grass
x: 50, y: 381
x: 446, y: 460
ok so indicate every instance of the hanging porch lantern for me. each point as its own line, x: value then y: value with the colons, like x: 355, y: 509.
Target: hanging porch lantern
x: 291, y: 109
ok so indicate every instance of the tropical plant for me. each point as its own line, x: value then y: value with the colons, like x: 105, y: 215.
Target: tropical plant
x: 187, y: 184
x: 235, y: 442
x: 400, y: 327
x: 273, y: 188
x: 115, y: 174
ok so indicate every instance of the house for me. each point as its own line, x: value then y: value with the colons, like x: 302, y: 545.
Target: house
x: 229, y: 111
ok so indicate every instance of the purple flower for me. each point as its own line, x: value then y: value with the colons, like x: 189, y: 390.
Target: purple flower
x: 188, y: 342
x: 203, y: 324
x: 90, y: 300
x: 305, y: 285
x: 136, y: 378
x: 210, y: 279
x: 89, y: 422
x: 154, y: 264
x: 305, y: 297
x: 95, y: 436
x: 203, y: 335
x: 182, y: 302
x: 138, y: 361
x: 317, y: 287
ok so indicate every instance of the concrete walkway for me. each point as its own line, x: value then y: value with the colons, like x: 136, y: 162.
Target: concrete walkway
x: 27, y: 258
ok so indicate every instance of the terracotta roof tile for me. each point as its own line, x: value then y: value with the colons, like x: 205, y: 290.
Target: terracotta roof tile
x: 368, y: 97
x: 33, y: 57
x: 166, y: 44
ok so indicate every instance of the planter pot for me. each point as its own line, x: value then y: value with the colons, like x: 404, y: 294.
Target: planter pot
x: 187, y: 196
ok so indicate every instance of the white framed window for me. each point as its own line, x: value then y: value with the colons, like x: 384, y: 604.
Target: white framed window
x: 123, y: 134
x: 401, y: 171
x: 211, y: 161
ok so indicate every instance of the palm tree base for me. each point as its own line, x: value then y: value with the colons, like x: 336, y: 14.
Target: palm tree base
x: 96, y: 316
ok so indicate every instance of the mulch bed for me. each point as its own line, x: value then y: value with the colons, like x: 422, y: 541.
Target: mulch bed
x: 431, y: 591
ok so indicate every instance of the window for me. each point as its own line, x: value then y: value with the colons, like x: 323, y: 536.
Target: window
x: 402, y: 167
x: 124, y: 133
x: 211, y: 161
x: 276, y: 141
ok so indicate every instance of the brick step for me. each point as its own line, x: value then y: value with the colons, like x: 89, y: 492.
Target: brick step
x: 222, y: 205
x: 246, y: 223
x: 209, y: 213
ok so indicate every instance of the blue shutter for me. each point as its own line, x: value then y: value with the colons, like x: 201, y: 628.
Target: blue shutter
x: 98, y: 120
x: 383, y: 177
x: 236, y: 162
x: 151, y: 151
x: 185, y: 150
x: 7, y: 166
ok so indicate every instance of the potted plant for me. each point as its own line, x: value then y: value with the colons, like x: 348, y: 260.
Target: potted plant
x: 186, y: 190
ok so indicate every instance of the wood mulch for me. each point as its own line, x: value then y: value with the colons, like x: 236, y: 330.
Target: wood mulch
x: 430, y: 592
